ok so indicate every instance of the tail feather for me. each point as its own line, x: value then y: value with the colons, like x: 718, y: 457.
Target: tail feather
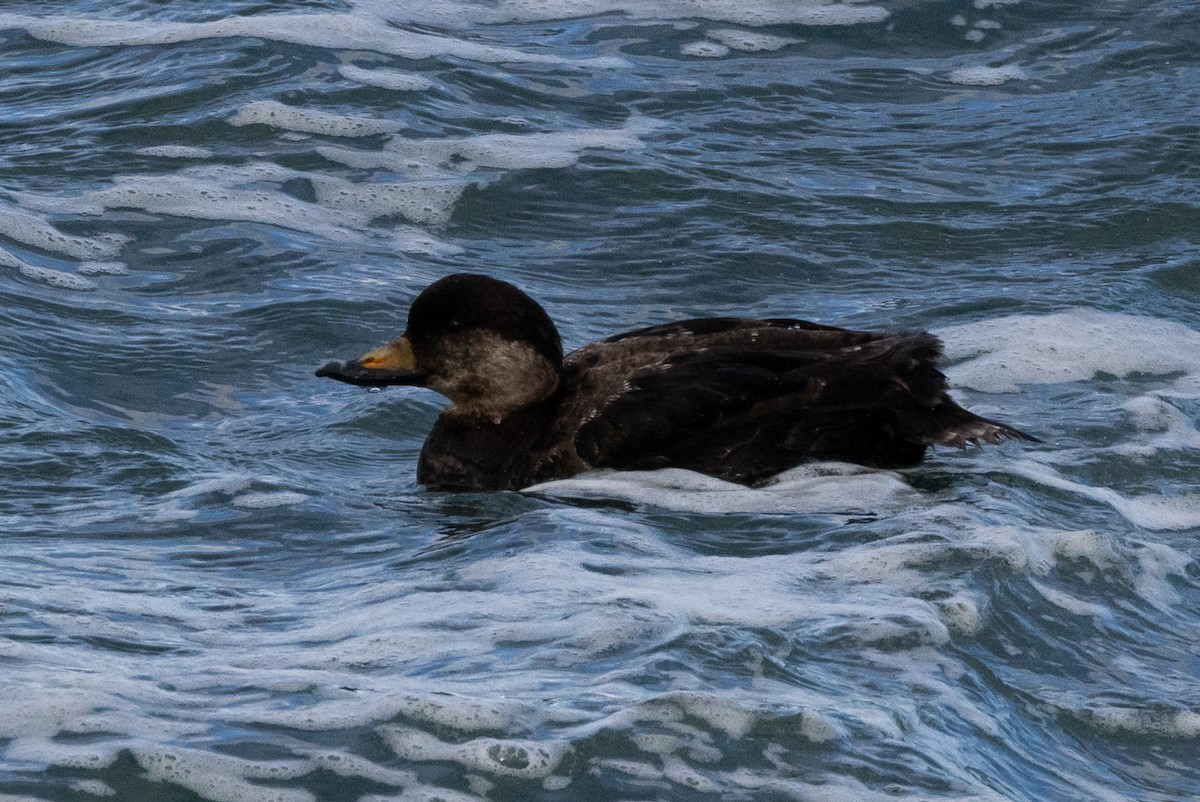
x: 937, y: 419
x: 966, y: 428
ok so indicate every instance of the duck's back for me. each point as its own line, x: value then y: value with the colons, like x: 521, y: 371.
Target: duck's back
x: 746, y: 399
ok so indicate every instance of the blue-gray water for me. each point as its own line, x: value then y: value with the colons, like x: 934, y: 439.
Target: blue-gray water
x: 219, y: 580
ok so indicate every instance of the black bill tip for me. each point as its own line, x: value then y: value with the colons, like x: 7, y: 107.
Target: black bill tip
x: 355, y: 373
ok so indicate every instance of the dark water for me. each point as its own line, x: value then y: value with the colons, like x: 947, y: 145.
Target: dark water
x: 219, y: 580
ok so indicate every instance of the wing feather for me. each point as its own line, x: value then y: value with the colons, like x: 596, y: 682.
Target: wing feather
x: 745, y: 400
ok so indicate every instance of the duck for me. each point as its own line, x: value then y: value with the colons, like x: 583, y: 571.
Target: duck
x: 734, y: 398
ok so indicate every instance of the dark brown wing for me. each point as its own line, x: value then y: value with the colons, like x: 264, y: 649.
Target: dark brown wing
x: 730, y: 330
x: 744, y: 400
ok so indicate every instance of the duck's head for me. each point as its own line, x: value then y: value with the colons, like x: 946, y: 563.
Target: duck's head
x: 481, y: 342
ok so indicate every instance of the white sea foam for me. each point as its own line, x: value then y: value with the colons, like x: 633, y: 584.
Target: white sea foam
x: 437, y: 157
x: 93, y: 788
x: 47, y: 715
x: 310, y: 121
x: 21, y: 226
x: 253, y: 193
x: 176, y: 152
x: 749, y: 12
x: 1169, y: 428
x: 1171, y: 724
x: 816, y: 488
x: 1152, y: 512
x: 546, y: 150
x: 194, y: 196
x: 428, y: 703
x: 1000, y: 354
x: 221, y: 778
x: 1157, y: 564
x: 986, y: 76
x: 233, y: 489
x: 781, y: 784
x: 56, y: 278
x: 361, y: 650
x: 1031, y: 550
x: 349, y: 765
x: 1065, y: 601
x: 704, y: 49
x: 1075, y: 346
x: 386, y: 79
x: 343, y: 211
x: 358, y: 31
x: 429, y: 203
x: 492, y: 756
x: 103, y: 269
x: 750, y: 41
x: 213, y: 193
x: 266, y: 500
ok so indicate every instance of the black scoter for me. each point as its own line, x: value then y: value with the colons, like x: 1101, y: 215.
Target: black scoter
x: 733, y: 398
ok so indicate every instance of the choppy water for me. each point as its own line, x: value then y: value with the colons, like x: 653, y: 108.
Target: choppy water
x: 219, y: 581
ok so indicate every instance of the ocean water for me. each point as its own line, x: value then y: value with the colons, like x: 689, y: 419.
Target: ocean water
x: 220, y: 581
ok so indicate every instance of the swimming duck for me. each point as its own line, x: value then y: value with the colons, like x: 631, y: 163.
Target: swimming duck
x: 737, y: 399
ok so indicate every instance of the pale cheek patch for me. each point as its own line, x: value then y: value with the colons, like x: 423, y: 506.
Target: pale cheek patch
x: 486, y: 374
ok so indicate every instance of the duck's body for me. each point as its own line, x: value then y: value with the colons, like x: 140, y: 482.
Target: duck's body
x: 738, y: 399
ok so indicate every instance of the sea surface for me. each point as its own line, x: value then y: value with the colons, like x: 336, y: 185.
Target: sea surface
x: 220, y: 581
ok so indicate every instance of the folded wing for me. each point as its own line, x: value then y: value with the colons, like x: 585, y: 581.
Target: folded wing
x: 747, y: 399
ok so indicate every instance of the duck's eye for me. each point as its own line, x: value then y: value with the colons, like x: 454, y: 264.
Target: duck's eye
x: 454, y: 324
